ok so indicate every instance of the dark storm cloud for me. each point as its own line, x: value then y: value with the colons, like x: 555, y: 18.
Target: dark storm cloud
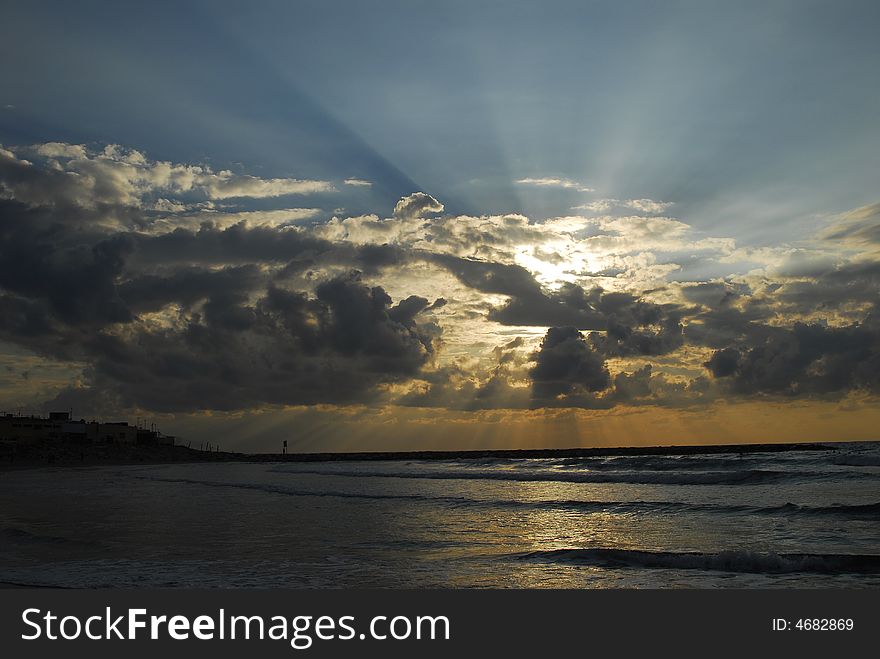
x: 406, y: 310
x: 718, y: 328
x: 568, y: 372
x: 635, y: 327
x: 723, y: 363
x: 834, y: 290
x: 755, y: 355
x: 187, y: 286
x: 629, y: 386
x: 804, y: 359
x: 738, y: 317
x: 73, y: 274
x: 211, y: 246
x: 713, y: 294
x: 490, y: 277
x: 73, y: 287
x: 235, y: 244
x: 364, y: 323
x: 571, y: 305
x: 24, y: 321
x: 372, y: 258
x: 284, y: 348
x: 565, y: 365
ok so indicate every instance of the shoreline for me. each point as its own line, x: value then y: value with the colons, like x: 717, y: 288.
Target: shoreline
x: 49, y: 454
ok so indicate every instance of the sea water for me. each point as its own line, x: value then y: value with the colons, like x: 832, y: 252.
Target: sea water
x: 789, y: 519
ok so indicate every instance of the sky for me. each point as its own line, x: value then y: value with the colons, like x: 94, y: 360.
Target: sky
x: 421, y: 225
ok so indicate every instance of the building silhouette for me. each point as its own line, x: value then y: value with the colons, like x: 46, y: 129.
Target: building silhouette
x: 60, y: 426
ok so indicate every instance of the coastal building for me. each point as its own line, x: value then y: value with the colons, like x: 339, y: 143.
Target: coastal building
x: 60, y: 426
x: 33, y: 428
x: 117, y: 432
x: 147, y: 437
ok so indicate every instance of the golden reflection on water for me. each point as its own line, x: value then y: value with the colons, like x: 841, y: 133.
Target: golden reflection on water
x: 547, y: 530
x: 504, y: 535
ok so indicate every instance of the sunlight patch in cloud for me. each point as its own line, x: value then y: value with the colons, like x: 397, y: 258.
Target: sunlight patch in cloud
x: 417, y: 205
x: 225, y: 184
x: 277, y: 218
x: 554, y: 182
x: 648, y: 206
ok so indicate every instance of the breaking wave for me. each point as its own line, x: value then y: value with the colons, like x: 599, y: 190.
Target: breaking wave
x: 866, y: 511
x: 733, y: 477
x: 861, y: 512
x: 724, y: 561
x: 857, y: 460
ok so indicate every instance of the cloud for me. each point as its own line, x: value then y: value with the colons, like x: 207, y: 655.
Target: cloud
x: 856, y: 229
x: 76, y: 280
x: 225, y: 184
x: 803, y: 360
x: 648, y: 206
x: 188, y: 286
x: 168, y: 300
x: 181, y: 217
x: 162, y: 205
x: 71, y: 175
x: 723, y: 363
x: 61, y: 150
x: 21, y: 180
x: 631, y: 325
x: 358, y: 182
x: 565, y: 365
x: 280, y: 347
x: 554, y: 182
x: 644, y: 329
x: 417, y: 205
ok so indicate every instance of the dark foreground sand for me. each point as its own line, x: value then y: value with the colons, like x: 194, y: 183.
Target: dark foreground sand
x: 31, y: 455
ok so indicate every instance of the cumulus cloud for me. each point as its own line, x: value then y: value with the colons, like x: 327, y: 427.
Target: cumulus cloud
x: 60, y: 150
x: 723, y: 362
x: 804, y: 359
x: 68, y: 174
x: 236, y: 342
x: 417, y: 205
x: 565, y: 365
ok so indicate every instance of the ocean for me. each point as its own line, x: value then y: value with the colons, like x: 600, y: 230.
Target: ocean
x: 787, y: 519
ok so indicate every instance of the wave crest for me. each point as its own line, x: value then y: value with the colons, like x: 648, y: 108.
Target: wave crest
x: 724, y: 561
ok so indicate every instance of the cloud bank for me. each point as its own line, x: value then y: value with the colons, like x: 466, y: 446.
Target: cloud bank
x: 163, y: 299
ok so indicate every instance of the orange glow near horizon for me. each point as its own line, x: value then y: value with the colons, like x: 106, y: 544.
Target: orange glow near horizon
x: 332, y: 429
